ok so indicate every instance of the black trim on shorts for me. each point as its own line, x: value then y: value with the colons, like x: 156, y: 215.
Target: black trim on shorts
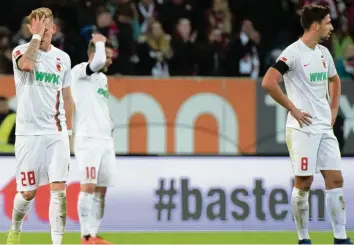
x: 89, y: 72
x: 281, y: 66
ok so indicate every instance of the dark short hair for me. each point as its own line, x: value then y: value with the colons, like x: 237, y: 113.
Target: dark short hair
x: 313, y: 13
x: 91, y: 46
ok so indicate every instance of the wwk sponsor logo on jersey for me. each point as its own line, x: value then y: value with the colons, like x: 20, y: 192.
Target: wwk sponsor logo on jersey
x: 103, y: 92
x: 318, y: 76
x: 47, y: 77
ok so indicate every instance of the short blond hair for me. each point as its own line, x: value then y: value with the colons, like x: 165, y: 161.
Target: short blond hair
x: 40, y: 12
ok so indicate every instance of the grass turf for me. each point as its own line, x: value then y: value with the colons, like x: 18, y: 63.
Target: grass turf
x: 183, y: 238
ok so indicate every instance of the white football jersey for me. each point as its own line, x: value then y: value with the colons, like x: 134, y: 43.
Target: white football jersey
x: 307, y: 85
x: 90, y: 95
x: 40, y: 106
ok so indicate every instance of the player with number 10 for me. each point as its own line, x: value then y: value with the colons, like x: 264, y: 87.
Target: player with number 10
x: 93, y: 127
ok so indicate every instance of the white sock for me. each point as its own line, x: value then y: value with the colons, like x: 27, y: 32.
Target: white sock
x: 300, y: 204
x: 84, y: 206
x: 97, y: 213
x: 57, y: 215
x: 21, y: 208
x: 336, y: 210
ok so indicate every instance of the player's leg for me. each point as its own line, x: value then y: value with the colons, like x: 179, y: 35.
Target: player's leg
x: 88, y: 153
x: 303, y: 153
x: 58, y: 158
x: 106, y: 177
x: 330, y: 165
x: 97, y: 211
x: 84, y: 206
x: 29, y: 157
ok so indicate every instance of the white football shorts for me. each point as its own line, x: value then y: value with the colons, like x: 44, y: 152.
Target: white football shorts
x: 311, y: 153
x: 41, y: 159
x: 96, y: 160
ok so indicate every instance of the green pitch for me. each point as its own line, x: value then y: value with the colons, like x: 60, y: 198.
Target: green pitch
x: 185, y: 238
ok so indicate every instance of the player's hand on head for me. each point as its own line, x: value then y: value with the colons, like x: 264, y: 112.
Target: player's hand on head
x: 301, y: 117
x: 96, y: 37
x: 37, y: 25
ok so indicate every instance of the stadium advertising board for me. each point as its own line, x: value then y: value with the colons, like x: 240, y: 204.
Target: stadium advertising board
x: 188, y: 193
x: 193, y: 115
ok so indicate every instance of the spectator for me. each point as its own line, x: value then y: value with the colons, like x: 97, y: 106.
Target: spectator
x: 349, y: 60
x: 22, y: 36
x: 7, y: 127
x: 126, y: 18
x: 212, y: 55
x: 243, y: 59
x: 340, y: 42
x: 87, y: 12
x: 183, y: 62
x: 350, y: 16
x: 171, y: 11
x: 107, y: 27
x: 5, y: 51
x: 58, y: 39
x: 219, y: 16
x: 154, y: 51
x: 146, y: 11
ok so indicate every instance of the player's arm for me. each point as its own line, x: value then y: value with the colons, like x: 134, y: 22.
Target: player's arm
x: 67, y: 97
x: 335, y: 88
x: 335, y: 91
x: 27, y: 61
x: 68, y: 107
x: 99, y: 58
x: 271, y: 84
x: 69, y: 110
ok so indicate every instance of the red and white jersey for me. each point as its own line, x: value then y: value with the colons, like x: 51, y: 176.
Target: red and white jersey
x: 40, y: 106
x: 90, y: 95
x: 306, y: 84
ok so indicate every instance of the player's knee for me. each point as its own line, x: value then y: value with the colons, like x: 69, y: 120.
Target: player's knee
x: 57, y: 186
x: 334, y: 182
x: 303, y: 182
x: 333, y: 179
x: 88, y: 188
x: 28, y: 195
x: 101, y: 190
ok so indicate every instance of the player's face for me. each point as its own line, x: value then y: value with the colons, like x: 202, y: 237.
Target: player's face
x: 325, y: 28
x: 49, y: 31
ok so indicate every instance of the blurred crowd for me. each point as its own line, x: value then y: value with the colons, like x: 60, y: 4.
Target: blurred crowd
x: 164, y: 38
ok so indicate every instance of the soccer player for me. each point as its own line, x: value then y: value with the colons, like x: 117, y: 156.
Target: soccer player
x: 308, y: 71
x: 94, y: 148
x: 42, y: 76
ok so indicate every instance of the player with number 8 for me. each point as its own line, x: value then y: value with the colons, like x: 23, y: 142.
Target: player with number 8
x: 313, y: 91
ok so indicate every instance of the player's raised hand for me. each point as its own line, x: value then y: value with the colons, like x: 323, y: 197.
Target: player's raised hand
x: 37, y: 25
x: 301, y: 117
x: 96, y: 37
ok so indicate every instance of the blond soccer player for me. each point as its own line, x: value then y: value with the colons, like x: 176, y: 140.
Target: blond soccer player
x: 42, y: 76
